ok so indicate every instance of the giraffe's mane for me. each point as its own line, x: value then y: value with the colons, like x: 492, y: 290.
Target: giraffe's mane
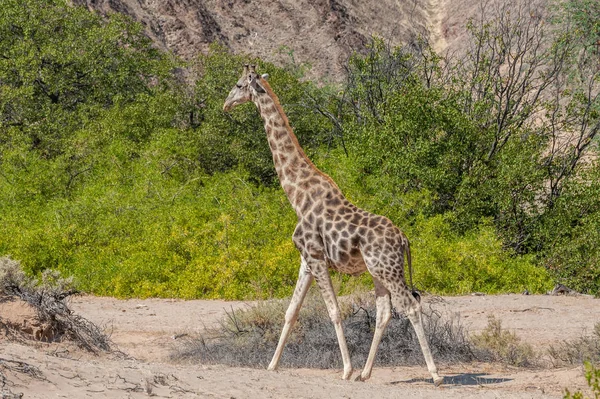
x: 281, y: 112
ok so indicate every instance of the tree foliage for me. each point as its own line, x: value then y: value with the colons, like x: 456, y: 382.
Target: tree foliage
x: 60, y: 65
x: 508, y: 132
x: 118, y: 166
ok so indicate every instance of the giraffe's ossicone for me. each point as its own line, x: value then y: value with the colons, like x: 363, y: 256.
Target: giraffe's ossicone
x: 331, y: 232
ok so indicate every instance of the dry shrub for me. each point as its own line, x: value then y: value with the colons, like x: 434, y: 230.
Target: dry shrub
x: 248, y: 337
x: 581, y: 350
x: 504, y: 346
x: 48, y: 297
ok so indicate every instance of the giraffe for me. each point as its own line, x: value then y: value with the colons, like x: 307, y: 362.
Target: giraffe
x: 332, y: 233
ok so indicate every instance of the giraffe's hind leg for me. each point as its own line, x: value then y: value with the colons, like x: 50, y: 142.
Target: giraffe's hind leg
x: 403, y: 299
x: 384, y: 314
x: 302, y: 286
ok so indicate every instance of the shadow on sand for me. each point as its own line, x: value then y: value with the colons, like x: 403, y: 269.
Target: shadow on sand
x: 459, y: 379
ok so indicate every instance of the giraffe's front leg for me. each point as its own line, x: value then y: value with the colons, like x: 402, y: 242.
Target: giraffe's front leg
x: 302, y: 286
x: 321, y: 274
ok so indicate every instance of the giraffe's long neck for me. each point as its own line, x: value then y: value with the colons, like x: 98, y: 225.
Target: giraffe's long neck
x: 291, y: 163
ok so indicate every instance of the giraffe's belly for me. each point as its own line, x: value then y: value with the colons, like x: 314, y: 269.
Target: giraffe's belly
x: 343, y: 254
x: 355, y: 265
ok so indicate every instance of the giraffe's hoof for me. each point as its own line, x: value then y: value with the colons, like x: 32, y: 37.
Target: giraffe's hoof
x: 347, y: 374
x: 362, y: 378
x: 437, y: 381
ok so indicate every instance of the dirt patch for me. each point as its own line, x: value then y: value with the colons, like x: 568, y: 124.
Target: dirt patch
x: 146, y: 329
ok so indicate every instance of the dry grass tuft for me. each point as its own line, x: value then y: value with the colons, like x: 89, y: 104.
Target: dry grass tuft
x: 581, y: 350
x: 505, y: 346
x: 248, y: 337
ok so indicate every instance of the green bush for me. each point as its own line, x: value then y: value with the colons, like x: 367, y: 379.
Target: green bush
x: 119, y: 169
x: 448, y: 263
x: 117, y: 172
x: 144, y: 239
x: 445, y: 260
x: 136, y: 232
x: 571, y: 233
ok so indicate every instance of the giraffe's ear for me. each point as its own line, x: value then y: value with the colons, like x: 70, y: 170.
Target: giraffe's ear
x: 255, y: 84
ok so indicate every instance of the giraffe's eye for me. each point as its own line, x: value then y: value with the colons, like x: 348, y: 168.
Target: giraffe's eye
x: 239, y: 86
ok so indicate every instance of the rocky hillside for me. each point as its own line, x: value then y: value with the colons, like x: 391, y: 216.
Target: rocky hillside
x: 321, y: 33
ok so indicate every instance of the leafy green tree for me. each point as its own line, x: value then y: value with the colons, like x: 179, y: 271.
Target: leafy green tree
x: 583, y: 17
x: 59, y: 64
x: 506, y: 133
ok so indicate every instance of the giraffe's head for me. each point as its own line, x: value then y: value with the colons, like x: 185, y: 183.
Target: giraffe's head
x: 247, y: 88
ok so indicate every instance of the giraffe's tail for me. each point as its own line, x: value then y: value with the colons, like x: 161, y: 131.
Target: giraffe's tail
x: 414, y: 292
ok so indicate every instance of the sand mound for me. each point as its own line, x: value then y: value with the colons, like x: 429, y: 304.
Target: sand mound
x: 20, y: 319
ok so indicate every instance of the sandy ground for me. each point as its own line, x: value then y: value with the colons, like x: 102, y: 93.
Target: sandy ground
x: 145, y: 331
